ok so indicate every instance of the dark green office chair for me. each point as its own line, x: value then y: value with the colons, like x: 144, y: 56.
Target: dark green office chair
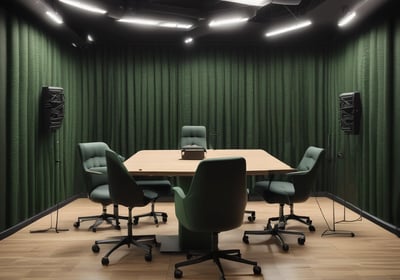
x: 194, y: 135
x: 214, y: 203
x: 93, y: 160
x: 296, y: 189
x: 126, y: 192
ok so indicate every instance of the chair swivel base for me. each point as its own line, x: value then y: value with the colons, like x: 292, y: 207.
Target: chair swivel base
x: 277, y: 231
x: 153, y: 214
x: 302, y: 219
x: 140, y: 241
x: 99, y: 219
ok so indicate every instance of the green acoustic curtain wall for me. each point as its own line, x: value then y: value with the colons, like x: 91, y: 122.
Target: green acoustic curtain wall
x: 360, y: 164
x: 3, y: 118
x: 278, y: 99
x: 40, y: 164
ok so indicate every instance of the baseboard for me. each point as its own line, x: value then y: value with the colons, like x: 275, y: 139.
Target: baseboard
x: 32, y: 219
x: 387, y: 226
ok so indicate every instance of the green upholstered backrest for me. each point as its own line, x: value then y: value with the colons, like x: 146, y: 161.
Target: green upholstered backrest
x: 93, y: 160
x: 216, y: 198
x: 305, y: 181
x: 123, y: 188
x: 194, y: 135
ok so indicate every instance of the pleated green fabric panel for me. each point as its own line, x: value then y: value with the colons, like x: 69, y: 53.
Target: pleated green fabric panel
x: 40, y: 165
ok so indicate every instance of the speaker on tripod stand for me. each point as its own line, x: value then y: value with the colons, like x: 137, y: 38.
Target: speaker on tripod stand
x: 51, y: 117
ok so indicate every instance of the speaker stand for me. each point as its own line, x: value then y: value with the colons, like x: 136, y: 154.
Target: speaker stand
x: 332, y: 230
x: 51, y: 228
x: 57, y: 176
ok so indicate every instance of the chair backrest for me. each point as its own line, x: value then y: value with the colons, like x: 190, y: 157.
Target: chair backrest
x: 93, y: 160
x: 194, y: 135
x: 217, y: 196
x: 123, y: 188
x: 306, y: 176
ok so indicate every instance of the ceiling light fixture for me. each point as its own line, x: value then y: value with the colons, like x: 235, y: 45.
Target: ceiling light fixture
x: 55, y: 17
x: 300, y: 25
x: 227, y: 21
x: 90, y: 38
x: 188, y: 40
x: 251, y: 2
x: 159, y: 23
x: 86, y: 7
x: 347, y: 19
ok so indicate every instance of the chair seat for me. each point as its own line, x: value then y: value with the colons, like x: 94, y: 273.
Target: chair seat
x: 101, y: 194
x: 276, y: 187
x: 150, y: 195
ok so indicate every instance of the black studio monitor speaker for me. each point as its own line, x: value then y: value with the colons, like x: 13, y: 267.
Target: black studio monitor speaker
x: 350, y: 112
x: 52, y: 106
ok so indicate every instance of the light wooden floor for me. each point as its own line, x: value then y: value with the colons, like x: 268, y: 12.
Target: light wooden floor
x: 372, y: 254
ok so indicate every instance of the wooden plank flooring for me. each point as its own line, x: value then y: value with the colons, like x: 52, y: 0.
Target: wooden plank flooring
x: 373, y: 253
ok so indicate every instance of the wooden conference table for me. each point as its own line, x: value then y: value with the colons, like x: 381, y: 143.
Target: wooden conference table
x: 169, y: 163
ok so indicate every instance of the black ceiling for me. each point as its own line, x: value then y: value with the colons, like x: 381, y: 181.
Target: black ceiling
x: 105, y: 29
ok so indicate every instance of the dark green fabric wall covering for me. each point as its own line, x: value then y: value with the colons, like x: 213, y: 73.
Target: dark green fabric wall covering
x: 281, y: 100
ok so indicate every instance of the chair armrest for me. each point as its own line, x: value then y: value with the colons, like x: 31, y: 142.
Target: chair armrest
x: 178, y: 191
x: 295, y: 173
x: 94, y: 172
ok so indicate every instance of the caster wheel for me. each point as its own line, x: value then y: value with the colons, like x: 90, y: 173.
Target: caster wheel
x: 257, y: 270
x: 189, y: 256
x: 285, y: 247
x: 311, y: 228
x: 148, y: 257
x: 94, y: 229
x: 118, y: 227
x: 245, y: 239
x: 135, y: 221
x: 77, y: 224
x: 301, y: 240
x: 105, y: 261
x: 95, y: 248
x: 251, y: 218
x: 178, y: 273
x: 164, y: 218
x: 352, y: 235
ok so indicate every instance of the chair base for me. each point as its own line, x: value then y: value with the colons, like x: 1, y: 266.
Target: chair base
x: 140, y: 241
x: 100, y: 219
x: 153, y: 214
x: 216, y: 255
x: 278, y: 230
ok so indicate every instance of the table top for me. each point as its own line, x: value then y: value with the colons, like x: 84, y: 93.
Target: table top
x: 169, y: 162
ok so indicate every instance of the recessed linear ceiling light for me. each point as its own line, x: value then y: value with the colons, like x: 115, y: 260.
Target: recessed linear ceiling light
x: 289, y: 28
x: 90, y: 38
x: 188, y: 40
x: 251, y: 2
x: 347, y: 19
x: 55, y: 17
x: 227, y: 21
x: 84, y: 6
x: 159, y: 23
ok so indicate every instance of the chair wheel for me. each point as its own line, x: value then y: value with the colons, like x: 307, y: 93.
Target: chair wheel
x: 135, y: 221
x: 95, y: 248
x: 178, y: 273
x: 311, y: 228
x: 257, y: 270
x: 93, y: 229
x: 251, y: 218
x: 77, y: 224
x: 285, y: 247
x: 245, y: 239
x: 117, y: 227
x: 105, y: 261
x: 301, y: 240
x: 164, y: 218
x: 148, y: 257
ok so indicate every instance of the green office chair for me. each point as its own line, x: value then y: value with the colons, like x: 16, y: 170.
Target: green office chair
x: 125, y: 191
x: 93, y: 159
x: 297, y: 189
x: 214, y: 203
x: 193, y: 135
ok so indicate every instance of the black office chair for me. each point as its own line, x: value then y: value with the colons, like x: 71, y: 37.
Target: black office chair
x: 125, y: 191
x: 297, y: 189
x: 93, y: 160
x: 214, y: 203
